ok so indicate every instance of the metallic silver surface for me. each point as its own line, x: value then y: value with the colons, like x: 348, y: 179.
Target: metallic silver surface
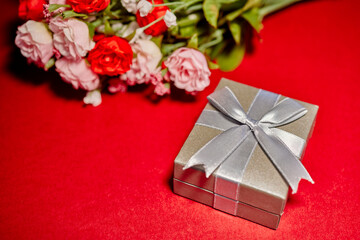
x: 226, y: 204
x: 261, y: 184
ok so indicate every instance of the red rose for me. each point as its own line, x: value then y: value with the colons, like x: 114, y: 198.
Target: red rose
x: 88, y: 6
x: 31, y: 9
x: 98, y: 37
x: 111, y: 56
x: 157, y: 12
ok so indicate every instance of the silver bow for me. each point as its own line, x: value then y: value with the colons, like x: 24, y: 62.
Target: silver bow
x: 231, y: 150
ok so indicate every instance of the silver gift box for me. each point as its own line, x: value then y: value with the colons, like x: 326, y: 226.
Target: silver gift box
x: 260, y: 196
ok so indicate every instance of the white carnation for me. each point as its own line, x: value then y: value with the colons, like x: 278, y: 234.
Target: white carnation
x: 170, y: 19
x: 93, y: 97
x: 130, y: 5
x: 144, y: 8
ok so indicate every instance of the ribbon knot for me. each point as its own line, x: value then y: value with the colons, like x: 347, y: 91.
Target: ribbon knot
x: 251, y: 123
x: 241, y: 132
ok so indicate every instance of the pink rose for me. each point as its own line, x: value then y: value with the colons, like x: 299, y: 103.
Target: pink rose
x: 188, y: 69
x: 71, y: 37
x: 35, y: 42
x: 144, y: 67
x: 78, y: 73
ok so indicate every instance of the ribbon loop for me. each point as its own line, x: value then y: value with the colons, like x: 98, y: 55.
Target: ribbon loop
x: 286, y: 111
x: 212, y: 154
x: 225, y: 101
x: 215, y: 119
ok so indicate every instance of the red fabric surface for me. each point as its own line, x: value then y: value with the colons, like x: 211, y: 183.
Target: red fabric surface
x: 74, y: 172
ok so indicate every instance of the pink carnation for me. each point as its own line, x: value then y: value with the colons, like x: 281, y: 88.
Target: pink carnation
x: 78, y: 73
x: 46, y: 12
x: 117, y: 85
x: 71, y: 37
x: 144, y: 67
x: 188, y: 69
x: 35, y: 42
x: 161, y: 89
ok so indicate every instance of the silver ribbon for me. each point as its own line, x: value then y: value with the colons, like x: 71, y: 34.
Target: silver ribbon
x: 231, y: 150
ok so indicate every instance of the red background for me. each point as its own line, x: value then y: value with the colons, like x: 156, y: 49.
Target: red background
x: 74, y: 172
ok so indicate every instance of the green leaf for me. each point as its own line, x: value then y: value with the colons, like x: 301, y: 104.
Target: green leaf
x: 217, y: 49
x: 211, y: 10
x: 215, y: 38
x: 231, y: 16
x: 129, y: 37
x: 71, y: 13
x: 252, y: 16
x: 174, y: 31
x: 230, y: 60
x: 54, y: 7
x: 229, y: 5
x: 194, y: 8
x: 167, y: 85
x: 108, y: 28
x: 191, y: 19
x: 168, y: 48
x: 249, y: 4
x: 91, y: 29
x: 49, y: 64
x: 193, y: 42
x: 157, y: 40
x: 97, y: 22
x: 112, y: 14
x: 235, y: 29
x: 271, y: 6
x: 212, y: 65
x: 164, y: 71
x: 188, y: 31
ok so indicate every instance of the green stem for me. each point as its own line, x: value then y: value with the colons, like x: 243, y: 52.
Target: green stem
x: 141, y: 30
x: 167, y: 4
x: 194, y: 8
x: 54, y: 7
x: 218, y: 34
x: 231, y: 16
x: 152, y: 23
x: 186, y: 4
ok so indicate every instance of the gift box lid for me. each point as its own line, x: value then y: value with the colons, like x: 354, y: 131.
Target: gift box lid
x: 261, y: 185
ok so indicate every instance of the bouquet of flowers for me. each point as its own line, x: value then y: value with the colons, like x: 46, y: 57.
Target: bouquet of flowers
x: 99, y: 45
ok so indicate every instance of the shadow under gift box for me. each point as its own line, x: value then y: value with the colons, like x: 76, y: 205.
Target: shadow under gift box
x: 261, y: 194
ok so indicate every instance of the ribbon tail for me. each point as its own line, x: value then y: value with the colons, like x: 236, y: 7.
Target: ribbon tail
x: 234, y: 167
x: 217, y: 150
x: 284, y: 160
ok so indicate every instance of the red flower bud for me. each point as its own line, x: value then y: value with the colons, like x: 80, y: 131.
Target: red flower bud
x: 31, y: 9
x: 111, y: 56
x: 157, y: 12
